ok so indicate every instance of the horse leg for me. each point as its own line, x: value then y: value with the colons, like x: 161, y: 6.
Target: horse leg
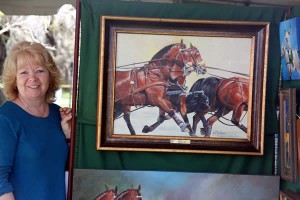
x: 161, y: 118
x: 126, y: 111
x: 183, y: 112
x: 236, y: 115
x: 196, y: 118
x: 211, y: 120
x: 206, y: 130
x: 118, y: 110
x: 162, y: 103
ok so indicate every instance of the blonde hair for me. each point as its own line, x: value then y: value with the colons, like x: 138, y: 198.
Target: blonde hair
x: 29, y: 53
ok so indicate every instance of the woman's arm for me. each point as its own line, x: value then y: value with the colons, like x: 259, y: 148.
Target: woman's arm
x: 8, y: 145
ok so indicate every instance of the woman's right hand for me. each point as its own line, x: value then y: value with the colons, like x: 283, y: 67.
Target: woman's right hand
x: 7, y: 196
x: 66, y: 116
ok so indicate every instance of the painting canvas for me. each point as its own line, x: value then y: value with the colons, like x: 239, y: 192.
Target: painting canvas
x: 289, y: 31
x: 162, y: 185
x: 224, y: 69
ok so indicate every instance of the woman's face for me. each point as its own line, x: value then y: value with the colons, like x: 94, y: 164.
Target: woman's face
x: 32, y: 81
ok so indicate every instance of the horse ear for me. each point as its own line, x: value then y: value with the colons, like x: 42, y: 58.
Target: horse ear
x: 139, y: 188
x: 116, y: 189
x: 107, y: 187
x: 191, y: 45
x: 181, y: 41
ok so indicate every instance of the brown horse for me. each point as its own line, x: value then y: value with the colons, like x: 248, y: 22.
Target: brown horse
x: 212, y: 94
x: 130, y: 194
x: 221, y: 97
x: 147, y: 85
x: 108, y: 194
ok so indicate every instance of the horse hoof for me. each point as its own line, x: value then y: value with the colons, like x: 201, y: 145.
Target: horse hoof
x: 205, y: 132
x: 146, y: 129
x: 183, y: 127
x: 192, y: 134
x: 243, y: 128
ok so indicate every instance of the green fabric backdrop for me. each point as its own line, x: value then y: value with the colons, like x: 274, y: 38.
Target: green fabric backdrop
x: 86, y: 155
x: 295, y: 12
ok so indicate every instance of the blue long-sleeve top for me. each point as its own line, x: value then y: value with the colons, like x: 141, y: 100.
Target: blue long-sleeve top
x: 33, y: 154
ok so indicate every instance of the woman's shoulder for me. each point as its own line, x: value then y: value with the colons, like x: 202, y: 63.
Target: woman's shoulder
x: 54, y: 106
x: 54, y: 109
x: 9, y: 112
x: 8, y: 107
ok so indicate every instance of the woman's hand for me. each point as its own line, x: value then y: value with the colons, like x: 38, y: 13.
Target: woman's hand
x: 66, y: 116
x: 7, y: 196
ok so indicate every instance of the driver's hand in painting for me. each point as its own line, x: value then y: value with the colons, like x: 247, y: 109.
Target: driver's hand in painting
x: 66, y: 116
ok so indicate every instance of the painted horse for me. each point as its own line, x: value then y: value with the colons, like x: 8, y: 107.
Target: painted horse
x: 219, y: 96
x: 108, y: 194
x: 130, y: 194
x: 290, y: 55
x: 212, y: 94
x: 147, y: 85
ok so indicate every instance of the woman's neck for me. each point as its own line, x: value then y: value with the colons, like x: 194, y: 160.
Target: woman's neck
x: 37, y: 108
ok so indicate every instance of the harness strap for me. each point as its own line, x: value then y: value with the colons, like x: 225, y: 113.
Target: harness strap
x: 140, y: 89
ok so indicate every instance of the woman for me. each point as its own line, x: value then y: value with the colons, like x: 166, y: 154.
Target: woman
x: 33, y: 130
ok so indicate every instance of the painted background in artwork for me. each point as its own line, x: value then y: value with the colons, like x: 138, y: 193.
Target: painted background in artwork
x: 88, y: 183
x: 232, y: 54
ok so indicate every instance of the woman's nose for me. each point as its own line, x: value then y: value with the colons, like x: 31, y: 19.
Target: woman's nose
x: 32, y: 76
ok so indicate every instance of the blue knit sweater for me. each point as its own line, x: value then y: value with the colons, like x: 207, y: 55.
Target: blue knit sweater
x: 33, y: 154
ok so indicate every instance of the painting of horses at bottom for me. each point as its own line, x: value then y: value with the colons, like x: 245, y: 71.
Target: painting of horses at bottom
x: 162, y: 185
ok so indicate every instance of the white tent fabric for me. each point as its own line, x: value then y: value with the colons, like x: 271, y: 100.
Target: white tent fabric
x: 50, y: 7
x: 32, y: 7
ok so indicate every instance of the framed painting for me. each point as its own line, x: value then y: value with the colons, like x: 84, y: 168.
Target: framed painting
x: 102, y: 184
x: 174, y: 85
x: 289, y: 31
x: 289, y: 195
x: 288, y: 135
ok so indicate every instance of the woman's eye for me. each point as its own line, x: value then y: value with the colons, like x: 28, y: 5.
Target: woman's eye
x: 24, y: 72
x: 39, y: 71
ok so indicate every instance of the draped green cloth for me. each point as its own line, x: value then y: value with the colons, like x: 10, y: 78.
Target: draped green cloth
x: 86, y: 155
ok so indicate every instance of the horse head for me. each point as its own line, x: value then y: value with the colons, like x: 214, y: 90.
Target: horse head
x: 109, y: 194
x: 189, y: 60
x: 130, y: 194
x: 179, y: 60
x: 198, y: 62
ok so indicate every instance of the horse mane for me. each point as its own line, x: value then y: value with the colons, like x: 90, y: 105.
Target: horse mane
x: 125, y: 191
x: 101, y: 194
x: 164, y: 50
x: 106, y: 191
x: 207, y: 85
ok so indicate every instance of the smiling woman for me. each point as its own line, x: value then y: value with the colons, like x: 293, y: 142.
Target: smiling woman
x: 55, y: 32
x: 31, y: 125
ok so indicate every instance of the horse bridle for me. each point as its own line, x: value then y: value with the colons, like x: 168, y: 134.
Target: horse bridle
x: 198, y: 69
x: 186, y: 66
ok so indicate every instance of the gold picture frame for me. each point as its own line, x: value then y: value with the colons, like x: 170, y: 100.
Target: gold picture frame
x: 289, y: 195
x: 117, y: 37
x: 288, y: 135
